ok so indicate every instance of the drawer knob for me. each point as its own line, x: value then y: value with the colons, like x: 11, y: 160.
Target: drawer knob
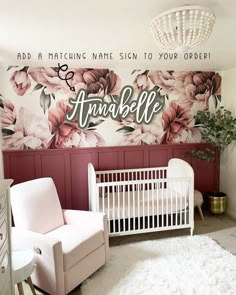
x: 3, y: 269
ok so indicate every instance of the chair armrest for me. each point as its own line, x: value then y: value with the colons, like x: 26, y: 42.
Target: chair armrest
x: 25, y: 239
x: 84, y: 217
x: 48, y: 274
x: 96, y: 219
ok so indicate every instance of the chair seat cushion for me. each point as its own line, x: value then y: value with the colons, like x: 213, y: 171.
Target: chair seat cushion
x: 77, y: 242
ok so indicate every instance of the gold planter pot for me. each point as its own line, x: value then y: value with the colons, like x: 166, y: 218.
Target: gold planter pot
x: 217, y: 204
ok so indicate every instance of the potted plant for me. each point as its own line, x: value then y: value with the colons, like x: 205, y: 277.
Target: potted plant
x: 219, y: 130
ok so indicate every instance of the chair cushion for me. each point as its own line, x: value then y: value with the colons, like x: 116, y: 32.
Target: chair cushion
x: 36, y: 206
x: 77, y: 242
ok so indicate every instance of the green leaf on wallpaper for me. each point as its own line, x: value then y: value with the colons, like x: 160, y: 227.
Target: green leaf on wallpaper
x: 114, y: 98
x: 161, y: 97
x: 134, y: 71
x: 146, y: 72
x: 94, y: 124
x: 125, y: 129
x: 6, y: 132
x: 1, y: 103
x: 45, y: 101
x: 10, y: 67
x: 53, y: 96
x: 156, y: 88
x: 37, y: 87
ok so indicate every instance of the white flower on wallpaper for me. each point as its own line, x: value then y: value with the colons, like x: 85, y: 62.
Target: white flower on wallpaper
x: 33, y: 114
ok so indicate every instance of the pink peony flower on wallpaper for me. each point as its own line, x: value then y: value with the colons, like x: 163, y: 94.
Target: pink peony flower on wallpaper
x: 142, y: 134
x: 8, y: 113
x: 48, y: 77
x: 31, y: 132
x: 195, y: 88
x: 97, y: 82
x: 141, y: 82
x: 178, y: 125
x: 68, y: 134
x: 20, y: 82
x: 163, y: 79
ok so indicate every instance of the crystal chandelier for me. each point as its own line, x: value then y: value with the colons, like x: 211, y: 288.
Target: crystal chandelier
x: 182, y: 28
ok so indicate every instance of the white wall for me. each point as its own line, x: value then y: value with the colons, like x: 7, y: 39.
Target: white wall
x: 228, y: 158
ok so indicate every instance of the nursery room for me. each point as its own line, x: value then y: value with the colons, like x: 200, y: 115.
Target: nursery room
x: 118, y: 156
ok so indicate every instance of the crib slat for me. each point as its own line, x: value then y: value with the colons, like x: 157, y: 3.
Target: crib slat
x: 181, y: 197
x: 171, y: 200
x: 157, y: 203
x: 138, y: 187
x: 185, y: 203
x: 143, y: 209
x: 153, y: 208
x: 108, y: 209
x: 118, y: 208
x: 162, y: 201
x: 129, y: 208
x: 176, y: 209
x: 103, y: 200
x: 123, y: 191
x: 148, y: 213
x: 133, y: 194
x: 113, y: 208
x: 167, y: 207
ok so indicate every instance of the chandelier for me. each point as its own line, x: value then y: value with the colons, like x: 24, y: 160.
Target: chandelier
x: 182, y: 28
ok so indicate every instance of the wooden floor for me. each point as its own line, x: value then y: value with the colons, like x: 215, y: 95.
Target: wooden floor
x: 221, y: 228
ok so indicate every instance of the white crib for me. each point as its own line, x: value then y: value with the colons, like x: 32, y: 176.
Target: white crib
x: 144, y: 200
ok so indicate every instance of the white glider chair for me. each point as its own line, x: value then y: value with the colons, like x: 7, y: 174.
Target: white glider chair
x: 70, y: 245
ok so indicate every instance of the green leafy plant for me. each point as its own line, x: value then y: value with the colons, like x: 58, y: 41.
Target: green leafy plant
x: 218, y: 129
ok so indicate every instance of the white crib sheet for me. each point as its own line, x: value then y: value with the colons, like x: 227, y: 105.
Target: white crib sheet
x: 151, y: 202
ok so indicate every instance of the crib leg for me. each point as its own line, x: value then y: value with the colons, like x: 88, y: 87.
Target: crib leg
x: 191, y: 231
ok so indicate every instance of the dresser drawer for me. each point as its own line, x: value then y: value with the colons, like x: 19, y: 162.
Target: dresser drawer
x: 4, y: 267
x: 3, y: 231
x: 3, y: 204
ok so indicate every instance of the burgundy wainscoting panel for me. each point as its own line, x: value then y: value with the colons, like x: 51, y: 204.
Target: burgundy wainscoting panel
x: 204, y: 173
x: 134, y: 159
x: 21, y: 166
x: 53, y: 165
x: 108, y: 160
x: 158, y: 157
x: 79, y: 177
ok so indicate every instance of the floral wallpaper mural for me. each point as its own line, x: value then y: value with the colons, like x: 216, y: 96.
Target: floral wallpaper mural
x: 35, y: 100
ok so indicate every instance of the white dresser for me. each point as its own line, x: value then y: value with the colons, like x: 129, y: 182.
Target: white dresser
x: 6, y: 285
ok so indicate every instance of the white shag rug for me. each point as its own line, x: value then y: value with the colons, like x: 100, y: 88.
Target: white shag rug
x: 175, y: 266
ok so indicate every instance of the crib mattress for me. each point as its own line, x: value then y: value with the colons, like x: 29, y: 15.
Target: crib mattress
x: 143, y: 203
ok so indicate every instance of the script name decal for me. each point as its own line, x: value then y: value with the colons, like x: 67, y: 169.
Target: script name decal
x: 147, y: 104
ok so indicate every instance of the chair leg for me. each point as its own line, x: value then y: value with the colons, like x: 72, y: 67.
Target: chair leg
x: 20, y: 288
x: 200, y: 212
x: 31, y: 285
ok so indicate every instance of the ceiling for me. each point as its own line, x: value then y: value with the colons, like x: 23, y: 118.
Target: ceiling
x: 107, y: 26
